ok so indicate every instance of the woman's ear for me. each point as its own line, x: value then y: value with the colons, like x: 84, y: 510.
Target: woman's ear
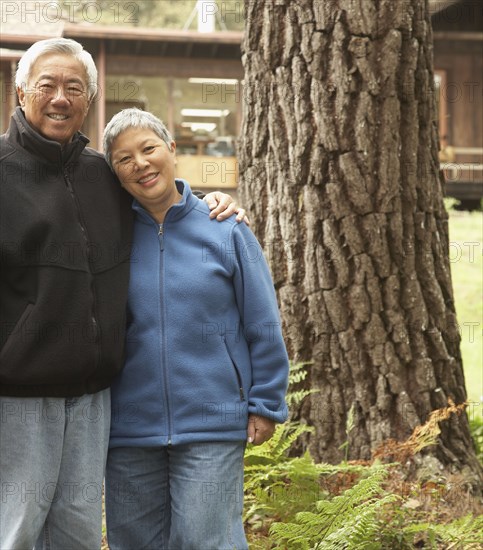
x: 172, y: 148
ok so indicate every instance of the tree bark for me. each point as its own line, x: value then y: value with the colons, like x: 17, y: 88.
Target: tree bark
x: 339, y: 169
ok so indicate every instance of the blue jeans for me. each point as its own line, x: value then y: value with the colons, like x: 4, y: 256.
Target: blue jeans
x: 182, y: 497
x: 52, y: 460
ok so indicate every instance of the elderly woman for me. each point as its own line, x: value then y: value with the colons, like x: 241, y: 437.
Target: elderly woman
x: 206, y: 367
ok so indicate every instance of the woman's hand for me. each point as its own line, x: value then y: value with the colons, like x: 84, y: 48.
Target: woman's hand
x: 222, y: 206
x: 260, y: 429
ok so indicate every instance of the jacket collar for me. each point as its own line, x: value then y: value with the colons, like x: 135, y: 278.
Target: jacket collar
x: 176, y: 212
x: 43, y: 149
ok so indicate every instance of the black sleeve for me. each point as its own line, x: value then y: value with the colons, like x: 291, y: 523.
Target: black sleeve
x: 199, y: 194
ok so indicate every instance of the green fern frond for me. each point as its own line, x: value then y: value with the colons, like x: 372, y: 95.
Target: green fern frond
x: 360, y: 530
x: 467, y: 531
x: 298, y: 372
x: 349, y: 521
x: 294, y: 535
x: 296, y: 397
x: 276, y: 484
x: 276, y: 448
x: 463, y: 533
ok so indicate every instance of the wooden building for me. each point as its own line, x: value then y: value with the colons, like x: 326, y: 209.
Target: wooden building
x: 458, y: 62
x: 193, y: 81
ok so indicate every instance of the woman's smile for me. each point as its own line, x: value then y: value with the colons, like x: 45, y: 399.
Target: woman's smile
x: 149, y: 180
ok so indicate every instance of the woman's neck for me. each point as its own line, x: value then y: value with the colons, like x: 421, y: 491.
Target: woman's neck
x: 158, y: 210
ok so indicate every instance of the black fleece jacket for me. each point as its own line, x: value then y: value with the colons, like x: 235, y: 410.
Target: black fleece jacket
x: 65, y: 237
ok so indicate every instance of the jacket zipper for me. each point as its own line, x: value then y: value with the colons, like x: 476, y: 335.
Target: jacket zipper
x: 94, y: 322
x: 163, y: 324
x: 237, y: 372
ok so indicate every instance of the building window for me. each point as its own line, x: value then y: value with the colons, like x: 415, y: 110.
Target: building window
x: 202, y: 114
x: 440, y: 86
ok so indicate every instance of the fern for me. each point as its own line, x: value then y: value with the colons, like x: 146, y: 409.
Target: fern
x: 275, y: 449
x: 465, y: 533
x: 360, y: 531
x: 297, y: 397
x: 348, y: 521
x: 299, y: 500
x: 297, y: 374
x: 349, y: 425
x: 476, y: 428
x: 276, y: 484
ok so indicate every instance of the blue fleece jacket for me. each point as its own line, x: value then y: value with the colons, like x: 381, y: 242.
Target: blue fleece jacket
x: 204, y: 346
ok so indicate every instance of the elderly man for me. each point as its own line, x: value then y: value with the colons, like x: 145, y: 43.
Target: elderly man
x: 65, y: 231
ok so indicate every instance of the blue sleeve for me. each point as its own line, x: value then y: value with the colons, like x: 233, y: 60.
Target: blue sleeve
x: 260, y: 316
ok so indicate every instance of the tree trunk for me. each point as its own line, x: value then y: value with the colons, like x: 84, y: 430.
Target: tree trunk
x: 340, y: 172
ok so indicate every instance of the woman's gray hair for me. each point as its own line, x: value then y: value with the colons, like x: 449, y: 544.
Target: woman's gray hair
x: 59, y: 46
x: 132, y: 118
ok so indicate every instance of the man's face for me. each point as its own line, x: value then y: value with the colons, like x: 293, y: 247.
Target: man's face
x: 55, y: 100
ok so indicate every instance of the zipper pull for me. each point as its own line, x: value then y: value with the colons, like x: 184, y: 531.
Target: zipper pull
x: 161, y: 236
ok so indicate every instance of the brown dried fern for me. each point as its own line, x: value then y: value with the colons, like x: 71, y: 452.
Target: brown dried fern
x: 422, y: 436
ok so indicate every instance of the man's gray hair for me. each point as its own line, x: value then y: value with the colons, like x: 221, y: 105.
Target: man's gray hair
x: 59, y: 46
x: 132, y: 118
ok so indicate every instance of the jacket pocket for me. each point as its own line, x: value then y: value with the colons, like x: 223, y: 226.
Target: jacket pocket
x: 14, y: 335
x: 237, y: 371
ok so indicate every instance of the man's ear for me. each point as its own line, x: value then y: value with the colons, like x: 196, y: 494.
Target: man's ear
x: 21, y: 95
x: 89, y: 103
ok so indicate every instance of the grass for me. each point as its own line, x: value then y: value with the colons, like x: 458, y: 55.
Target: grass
x: 466, y: 233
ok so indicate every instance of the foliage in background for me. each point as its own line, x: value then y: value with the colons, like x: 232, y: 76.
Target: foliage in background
x: 269, y: 471
x: 161, y: 14
x: 294, y: 503
x: 466, y: 258
x: 347, y: 521
x: 450, y: 203
x: 476, y: 427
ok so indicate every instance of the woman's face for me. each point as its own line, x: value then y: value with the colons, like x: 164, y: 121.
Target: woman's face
x: 145, y: 165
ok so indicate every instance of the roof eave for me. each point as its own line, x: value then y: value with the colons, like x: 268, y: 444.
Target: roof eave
x: 147, y: 34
